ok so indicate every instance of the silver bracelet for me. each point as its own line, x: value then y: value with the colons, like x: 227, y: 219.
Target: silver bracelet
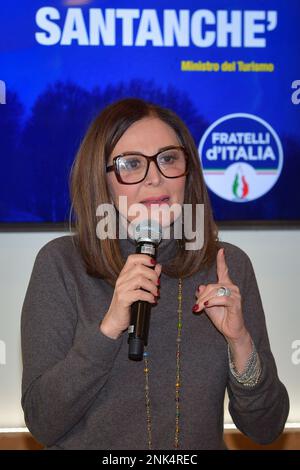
x: 252, y: 371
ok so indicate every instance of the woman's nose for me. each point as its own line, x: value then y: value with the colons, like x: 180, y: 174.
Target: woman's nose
x: 153, y: 176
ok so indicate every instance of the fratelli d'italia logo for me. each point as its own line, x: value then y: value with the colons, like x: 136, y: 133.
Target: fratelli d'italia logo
x: 241, y: 157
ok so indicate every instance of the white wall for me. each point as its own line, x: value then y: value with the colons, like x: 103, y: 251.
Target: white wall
x: 276, y: 259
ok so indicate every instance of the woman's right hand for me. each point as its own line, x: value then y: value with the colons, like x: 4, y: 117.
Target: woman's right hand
x: 137, y: 274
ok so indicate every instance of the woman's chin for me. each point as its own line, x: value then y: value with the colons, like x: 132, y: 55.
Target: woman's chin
x: 164, y: 214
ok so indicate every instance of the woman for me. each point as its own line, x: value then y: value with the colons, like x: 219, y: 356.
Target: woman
x: 208, y: 332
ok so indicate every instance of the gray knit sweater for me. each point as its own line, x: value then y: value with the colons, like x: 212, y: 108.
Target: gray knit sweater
x: 80, y: 390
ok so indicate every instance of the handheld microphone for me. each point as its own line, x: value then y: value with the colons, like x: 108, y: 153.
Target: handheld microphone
x: 148, y: 234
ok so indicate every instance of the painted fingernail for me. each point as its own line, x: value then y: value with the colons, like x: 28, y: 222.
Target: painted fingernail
x: 195, y: 308
x: 206, y: 303
x: 153, y: 261
x: 158, y: 282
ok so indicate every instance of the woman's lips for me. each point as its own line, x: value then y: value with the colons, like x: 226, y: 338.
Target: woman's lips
x: 148, y: 202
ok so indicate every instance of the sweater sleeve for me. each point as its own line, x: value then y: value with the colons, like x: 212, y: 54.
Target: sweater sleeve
x: 261, y: 411
x: 62, y: 372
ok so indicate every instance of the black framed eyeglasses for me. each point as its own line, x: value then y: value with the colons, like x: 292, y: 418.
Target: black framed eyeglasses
x: 132, y: 167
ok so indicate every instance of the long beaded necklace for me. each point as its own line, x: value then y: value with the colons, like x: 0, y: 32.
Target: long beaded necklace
x: 177, y: 380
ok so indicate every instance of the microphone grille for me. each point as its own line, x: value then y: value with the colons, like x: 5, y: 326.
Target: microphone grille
x: 148, y: 230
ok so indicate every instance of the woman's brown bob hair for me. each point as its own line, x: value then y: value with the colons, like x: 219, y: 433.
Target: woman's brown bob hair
x: 89, y: 188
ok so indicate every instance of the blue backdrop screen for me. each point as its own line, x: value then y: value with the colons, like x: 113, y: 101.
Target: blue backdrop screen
x: 233, y: 76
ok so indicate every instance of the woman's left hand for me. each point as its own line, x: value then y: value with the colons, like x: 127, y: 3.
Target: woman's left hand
x: 224, y: 311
